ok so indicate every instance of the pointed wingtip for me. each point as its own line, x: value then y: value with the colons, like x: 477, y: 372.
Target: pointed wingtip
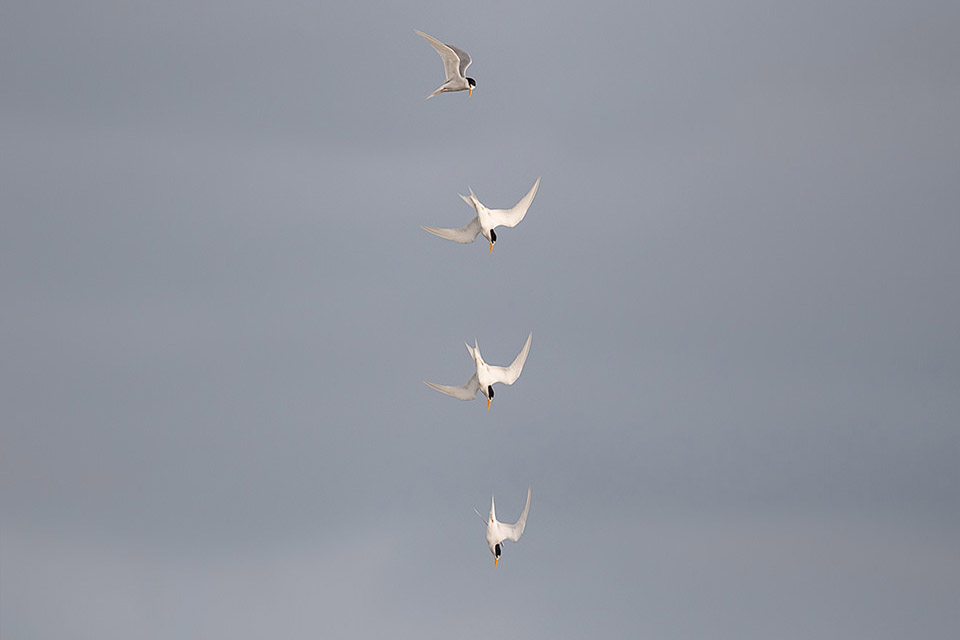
x: 533, y: 192
x: 526, y: 344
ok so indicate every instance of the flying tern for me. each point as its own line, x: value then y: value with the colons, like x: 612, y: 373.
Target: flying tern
x: 498, y: 531
x: 487, y: 219
x: 455, y: 63
x: 486, y: 375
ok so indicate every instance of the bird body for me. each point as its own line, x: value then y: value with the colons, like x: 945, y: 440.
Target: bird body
x: 486, y: 219
x: 485, y: 375
x: 455, y: 63
x: 498, y: 531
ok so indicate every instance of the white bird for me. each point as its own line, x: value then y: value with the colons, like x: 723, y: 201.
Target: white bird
x: 498, y: 531
x: 486, y: 375
x: 455, y: 63
x: 487, y: 219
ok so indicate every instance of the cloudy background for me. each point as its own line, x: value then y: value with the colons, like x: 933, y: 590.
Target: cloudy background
x: 740, y: 416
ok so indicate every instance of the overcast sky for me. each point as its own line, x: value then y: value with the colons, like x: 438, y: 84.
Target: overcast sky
x: 740, y: 416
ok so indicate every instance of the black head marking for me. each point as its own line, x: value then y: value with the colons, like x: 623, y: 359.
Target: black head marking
x: 493, y: 235
x: 471, y: 82
x: 496, y: 550
x: 490, y: 391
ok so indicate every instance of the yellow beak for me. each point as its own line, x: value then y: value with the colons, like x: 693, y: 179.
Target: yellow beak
x: 488, y: 403
x: 491, y: 246
x: 470, y: 93
x: 495, y: 561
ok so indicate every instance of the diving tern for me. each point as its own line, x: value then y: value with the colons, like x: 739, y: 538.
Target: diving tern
x: 486, y: 375
x: 487, y: 219
x: 498, y: 531
x: 455, y: 63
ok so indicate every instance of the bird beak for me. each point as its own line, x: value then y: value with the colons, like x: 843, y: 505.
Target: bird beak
x: 470, y: 94
x: 491, y: 247
x: 495, y: 561
x: 488, y: 403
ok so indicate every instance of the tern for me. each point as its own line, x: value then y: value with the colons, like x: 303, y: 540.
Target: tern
x: 498, y: 531
x: 455, y: 63
x: 486, y: 375
x: 487, y: 219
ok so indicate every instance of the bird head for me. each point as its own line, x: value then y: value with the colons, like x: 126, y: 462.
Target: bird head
x: 472, y: 84
x: 493, y: 239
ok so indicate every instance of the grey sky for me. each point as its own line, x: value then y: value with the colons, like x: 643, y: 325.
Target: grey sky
x: 218, y: 309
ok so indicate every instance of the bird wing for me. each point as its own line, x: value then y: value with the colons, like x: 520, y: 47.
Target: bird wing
x: 463, y: 235
x: 514, y: 531
x: 464, y: 59
x: 509, y: 375
x: 465, y: 392
x: 512, y: 217
x: 451, y: 61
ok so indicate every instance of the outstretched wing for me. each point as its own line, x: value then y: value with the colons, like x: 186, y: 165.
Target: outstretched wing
x: 463, y: 235
x: 512, y: 217
x: 509, y: 375
x: 514, y: 531
x: 466, y: 392
x: 464, y: 59
x: 451, y: 60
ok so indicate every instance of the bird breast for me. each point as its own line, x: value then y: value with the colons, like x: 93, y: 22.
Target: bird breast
x: 484, y: 377
x: 486, y: 220
x: 493, y: 535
